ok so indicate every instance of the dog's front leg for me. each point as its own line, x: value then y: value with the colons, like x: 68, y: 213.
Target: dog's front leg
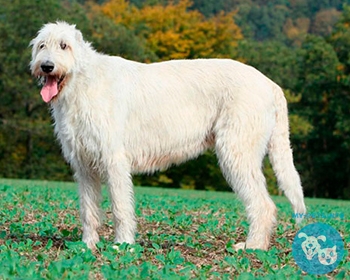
x: 122, y: 199
x: 90, y: 197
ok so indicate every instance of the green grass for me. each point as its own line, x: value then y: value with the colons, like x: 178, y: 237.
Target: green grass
x: 181, y: 235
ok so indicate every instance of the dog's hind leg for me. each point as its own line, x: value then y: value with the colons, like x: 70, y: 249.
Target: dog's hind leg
x: 122, y: 200
x: 240, y: 147
x: 90, y: 197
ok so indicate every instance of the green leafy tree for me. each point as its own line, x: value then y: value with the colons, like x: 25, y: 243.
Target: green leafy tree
x: 321, y: 103
x: 24, y: 119
x: 340, y: 41
x: 116, y: 39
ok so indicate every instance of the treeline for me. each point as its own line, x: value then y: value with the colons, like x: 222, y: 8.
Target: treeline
x: 302, y: 45
x: 283, y: 20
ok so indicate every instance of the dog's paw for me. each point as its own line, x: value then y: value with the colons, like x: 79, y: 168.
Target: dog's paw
x: 124, y: 239
x: 91, y: 242
x: 239, y: 246
x: 124, y: 235
x: 250, y: 245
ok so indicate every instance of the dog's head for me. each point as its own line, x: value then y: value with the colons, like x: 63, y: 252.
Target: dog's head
x: 310, y: 245
x: 54, y: 56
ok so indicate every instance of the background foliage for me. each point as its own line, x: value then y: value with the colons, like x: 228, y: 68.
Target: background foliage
x: 302, y: 45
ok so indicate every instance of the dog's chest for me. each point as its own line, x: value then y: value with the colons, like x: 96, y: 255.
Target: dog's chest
x: 79, y: 135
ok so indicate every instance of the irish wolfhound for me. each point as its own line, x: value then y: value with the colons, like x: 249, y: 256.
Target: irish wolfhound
x: 116, y: 117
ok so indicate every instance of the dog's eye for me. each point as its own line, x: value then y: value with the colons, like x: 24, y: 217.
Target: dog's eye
x: 63, y: 46
x: 42, y: 46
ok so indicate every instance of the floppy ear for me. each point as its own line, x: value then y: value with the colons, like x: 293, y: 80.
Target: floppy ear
x: 32, y: 42
x: 322, y: 237
x: 302, y: 234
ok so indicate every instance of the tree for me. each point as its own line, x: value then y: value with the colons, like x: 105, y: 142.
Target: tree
x: 173, y: 31
x: 25, y: 122
x: 324, y: 21
x: 322, y: 103
x: 340, y: 40
x: 116, y: 39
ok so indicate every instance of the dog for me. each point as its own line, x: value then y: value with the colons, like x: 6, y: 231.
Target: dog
x: 115, y: 117
x: 310, y: 245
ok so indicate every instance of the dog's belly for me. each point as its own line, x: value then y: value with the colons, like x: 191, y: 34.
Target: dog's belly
x: 155, y: 158
x: 167, y: 130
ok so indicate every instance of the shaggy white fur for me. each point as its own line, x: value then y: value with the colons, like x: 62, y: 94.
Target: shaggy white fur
x: 116, y: 117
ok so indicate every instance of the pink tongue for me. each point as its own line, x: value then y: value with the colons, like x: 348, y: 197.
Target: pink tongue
x: 50, y: 89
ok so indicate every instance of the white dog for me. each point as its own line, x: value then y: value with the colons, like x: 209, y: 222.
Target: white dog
x: 116, y: 117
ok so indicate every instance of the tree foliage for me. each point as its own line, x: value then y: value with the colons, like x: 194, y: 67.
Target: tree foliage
x: 24, y: 137
x: 173, y: 31
x: 302, y: 45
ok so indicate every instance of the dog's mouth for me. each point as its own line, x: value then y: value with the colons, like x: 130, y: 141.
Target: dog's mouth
x: 52, y: 86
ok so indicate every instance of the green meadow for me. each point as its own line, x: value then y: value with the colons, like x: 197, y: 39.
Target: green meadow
x: 182, y: 234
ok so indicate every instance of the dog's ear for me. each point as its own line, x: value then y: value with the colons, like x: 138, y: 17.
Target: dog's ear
x: 79, y: 36
x: 32, y: 43
x: 322, y: 237
x: 302, y: 234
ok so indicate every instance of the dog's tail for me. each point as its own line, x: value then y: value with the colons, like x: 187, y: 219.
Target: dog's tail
x: 281, y: 157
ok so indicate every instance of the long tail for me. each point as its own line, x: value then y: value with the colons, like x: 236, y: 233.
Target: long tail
x: 281, y: 157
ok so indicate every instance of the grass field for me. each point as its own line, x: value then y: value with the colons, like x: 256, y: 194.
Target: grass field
x: 181, y: 235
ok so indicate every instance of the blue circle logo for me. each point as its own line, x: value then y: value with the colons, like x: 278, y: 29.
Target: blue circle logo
x: 318, y: 248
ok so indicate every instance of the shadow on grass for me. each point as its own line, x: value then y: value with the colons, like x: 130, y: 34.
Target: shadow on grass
x: 57, y: 241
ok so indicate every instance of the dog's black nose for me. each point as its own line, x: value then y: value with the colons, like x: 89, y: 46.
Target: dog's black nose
x: 47, y: 66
